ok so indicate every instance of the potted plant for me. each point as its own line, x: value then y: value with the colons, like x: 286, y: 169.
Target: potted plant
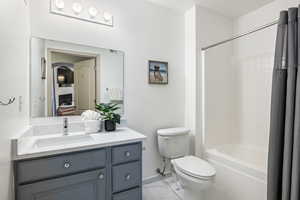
x: 109, y: 115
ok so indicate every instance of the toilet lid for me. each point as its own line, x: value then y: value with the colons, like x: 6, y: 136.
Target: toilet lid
x: 173, y: 131
x: 195, y: 167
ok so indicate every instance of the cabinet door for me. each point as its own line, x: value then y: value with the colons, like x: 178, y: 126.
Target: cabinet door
x: 84, y: 186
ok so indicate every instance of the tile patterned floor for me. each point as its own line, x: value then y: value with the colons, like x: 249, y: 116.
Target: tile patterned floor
x: 166, y: 189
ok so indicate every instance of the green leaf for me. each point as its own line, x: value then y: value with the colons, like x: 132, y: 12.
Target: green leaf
x: 107, y: 111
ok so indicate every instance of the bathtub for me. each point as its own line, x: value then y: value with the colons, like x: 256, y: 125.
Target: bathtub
x: 247, y: 160
x: 241, y: 172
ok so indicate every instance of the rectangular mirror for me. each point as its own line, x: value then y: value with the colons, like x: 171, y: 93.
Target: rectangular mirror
x: 66, y: 79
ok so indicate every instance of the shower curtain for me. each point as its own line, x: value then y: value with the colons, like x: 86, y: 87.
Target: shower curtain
x: 284, y: 142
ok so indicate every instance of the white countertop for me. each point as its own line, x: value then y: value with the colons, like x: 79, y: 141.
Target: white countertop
x: 32, y: 145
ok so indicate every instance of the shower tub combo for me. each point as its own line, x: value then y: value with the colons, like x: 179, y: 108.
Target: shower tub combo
x: 241, y: 172
x: 236, y: 85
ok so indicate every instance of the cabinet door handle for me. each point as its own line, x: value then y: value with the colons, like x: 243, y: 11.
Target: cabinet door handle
x: 101, y: 176
x: 67, y: 165
x: 127, y: 177
x: 127, y: 154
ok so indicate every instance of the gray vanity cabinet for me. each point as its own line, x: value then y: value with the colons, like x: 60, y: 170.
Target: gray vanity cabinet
x: 83, y: 186
x: 112, y: 173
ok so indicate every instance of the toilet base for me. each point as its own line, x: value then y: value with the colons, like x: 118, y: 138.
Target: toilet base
x: 193, y: 188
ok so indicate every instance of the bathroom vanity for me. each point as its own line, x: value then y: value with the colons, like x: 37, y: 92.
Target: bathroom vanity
x: 52, y: 163
x: 106, y: 167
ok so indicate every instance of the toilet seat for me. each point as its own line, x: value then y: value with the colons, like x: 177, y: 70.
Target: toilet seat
x: 195, y: 167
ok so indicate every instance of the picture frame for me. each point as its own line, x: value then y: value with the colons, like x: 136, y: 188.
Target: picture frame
x: 158, y: 72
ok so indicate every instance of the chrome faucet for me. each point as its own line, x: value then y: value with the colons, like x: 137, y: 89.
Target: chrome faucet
x: 66, y: 127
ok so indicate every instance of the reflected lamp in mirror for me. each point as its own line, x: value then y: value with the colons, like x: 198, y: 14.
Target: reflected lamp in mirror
x: 61, y: 79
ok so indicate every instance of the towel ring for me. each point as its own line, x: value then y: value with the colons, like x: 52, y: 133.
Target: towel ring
x: 10, y: 101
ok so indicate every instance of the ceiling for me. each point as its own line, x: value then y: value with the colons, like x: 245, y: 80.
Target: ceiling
x: 229, y: 8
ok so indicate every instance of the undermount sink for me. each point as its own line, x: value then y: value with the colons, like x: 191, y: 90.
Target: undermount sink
x: 62, y: 140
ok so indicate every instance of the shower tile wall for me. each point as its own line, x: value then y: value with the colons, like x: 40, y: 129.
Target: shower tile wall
x: 253, y: 60
x: 253, y: 94
x: 220, y: 101
x: 238, y: 91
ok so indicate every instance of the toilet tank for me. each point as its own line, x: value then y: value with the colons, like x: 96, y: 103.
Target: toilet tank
x: 173, y: 142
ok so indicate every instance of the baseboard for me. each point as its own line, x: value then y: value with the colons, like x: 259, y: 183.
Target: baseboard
x: 152, y: 179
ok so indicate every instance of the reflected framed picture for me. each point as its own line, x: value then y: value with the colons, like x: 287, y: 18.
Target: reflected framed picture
x: 158, y: 72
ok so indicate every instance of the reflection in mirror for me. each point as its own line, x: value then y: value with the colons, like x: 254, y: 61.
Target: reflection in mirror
x: 67, y: 79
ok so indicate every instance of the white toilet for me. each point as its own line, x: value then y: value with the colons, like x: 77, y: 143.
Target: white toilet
x: 195, y: 174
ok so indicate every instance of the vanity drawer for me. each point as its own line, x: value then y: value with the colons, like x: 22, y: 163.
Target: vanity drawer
x: 134, y: 194
x: 126, y: 153
x: 34, y: 170
x: 126, y: 176
x: 88, y: 186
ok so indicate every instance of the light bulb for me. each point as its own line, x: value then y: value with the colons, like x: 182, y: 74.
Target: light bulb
x: 60, y: 4
x: 77, y: 8
x: 93, y: 12
x: 61, y: 78
x: 107, y: 16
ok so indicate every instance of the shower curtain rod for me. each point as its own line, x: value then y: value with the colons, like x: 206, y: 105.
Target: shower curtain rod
x: 241, y: 35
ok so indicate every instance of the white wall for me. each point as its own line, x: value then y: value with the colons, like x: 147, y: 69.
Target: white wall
x: 143, y: 31
x: 14, y: 70
x: 191, y: 75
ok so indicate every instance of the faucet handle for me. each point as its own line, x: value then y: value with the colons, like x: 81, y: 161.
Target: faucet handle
x: 65, y: 126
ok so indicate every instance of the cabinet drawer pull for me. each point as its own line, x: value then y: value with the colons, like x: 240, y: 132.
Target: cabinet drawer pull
x: 127, y: 177
x: 127, y: 154
x: 101, y: 176
x: 67, y: 165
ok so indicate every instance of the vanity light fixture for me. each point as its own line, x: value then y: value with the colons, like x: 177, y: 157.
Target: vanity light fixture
x: 107, y: 16
x: 60, y: 4
x: 93, y: 12
x: 77, y: 8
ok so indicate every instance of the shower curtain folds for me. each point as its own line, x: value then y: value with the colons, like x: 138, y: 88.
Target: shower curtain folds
x: 284, y: 142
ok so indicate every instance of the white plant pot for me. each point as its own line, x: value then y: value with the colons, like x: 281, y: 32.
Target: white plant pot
x: 92, y: 126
